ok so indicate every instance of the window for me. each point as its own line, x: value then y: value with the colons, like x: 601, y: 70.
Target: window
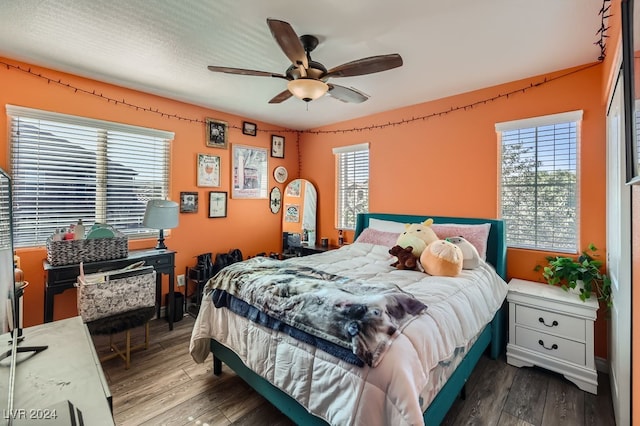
x: 539, y: 182
x: 353, y: 183
x: 66, y: 168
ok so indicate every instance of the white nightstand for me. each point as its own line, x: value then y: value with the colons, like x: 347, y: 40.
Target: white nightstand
x: 552, y: 328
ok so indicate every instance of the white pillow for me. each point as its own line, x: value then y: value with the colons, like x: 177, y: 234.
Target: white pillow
x: 386, y: 225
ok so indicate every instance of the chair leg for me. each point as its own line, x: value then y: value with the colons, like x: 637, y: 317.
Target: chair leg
x: 127, y: 361
x: 146, y: 336
x: 125, y: 354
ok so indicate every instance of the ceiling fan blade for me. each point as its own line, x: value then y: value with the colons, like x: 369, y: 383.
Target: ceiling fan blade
x: 288, y: 41
x: 346, y: 94
x: 242, y: 71
x: 364, y: 66
x: 281, y: 97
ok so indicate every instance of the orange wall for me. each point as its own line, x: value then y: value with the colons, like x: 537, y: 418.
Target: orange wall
x: 449, y: 165
x: 445, y: 165
x: 249, y: 224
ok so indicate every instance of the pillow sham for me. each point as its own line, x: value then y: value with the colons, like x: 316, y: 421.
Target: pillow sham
x: 475, y: 234
x: 386, y: 225
x: 374, y: 236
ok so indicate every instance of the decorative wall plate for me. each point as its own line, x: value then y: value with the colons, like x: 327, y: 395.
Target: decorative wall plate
x: 275, y: 200
x: 280, y: 174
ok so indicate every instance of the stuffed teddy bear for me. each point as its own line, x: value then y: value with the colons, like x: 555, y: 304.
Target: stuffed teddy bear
x: 418, y: 236
x: 442, y: 258
x: 470, y: 255
x: 406, y: 259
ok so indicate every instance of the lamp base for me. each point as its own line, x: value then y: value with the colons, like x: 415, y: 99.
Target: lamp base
x: 161, y: 245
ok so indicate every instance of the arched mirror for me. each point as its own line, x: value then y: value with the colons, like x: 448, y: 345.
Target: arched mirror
x: 299, y: 210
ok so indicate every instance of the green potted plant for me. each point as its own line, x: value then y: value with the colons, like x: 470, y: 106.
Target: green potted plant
x: 582, y: 275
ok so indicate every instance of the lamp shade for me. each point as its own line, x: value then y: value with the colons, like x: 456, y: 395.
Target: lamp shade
x: 307, y: 89
x: 161, y: 214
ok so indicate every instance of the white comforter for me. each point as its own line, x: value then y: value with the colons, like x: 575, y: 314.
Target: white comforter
x: 411, y: 373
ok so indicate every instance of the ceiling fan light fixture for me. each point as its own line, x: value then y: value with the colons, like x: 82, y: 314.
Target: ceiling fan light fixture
x: 307, y: 89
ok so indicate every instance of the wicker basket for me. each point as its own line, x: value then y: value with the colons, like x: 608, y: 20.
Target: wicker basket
x: 69, y: 252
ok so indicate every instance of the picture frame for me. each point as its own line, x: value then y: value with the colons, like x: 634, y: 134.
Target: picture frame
x: 217, y: 204
x: 275, y: 200
x: 249, y: 172
x: 208, y: 170
x: 249, y: 128
x: 188, y: 202
x: 277, y: 146
x: 292, y: 213
x: 216, y: 133
x: 280, y: 174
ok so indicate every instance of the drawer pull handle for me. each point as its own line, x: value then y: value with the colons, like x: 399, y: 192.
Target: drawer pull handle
x: 552, y: 348
x: 553, y: 324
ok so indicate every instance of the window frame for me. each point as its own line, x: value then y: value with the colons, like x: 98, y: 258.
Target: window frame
x: 542, y: 124
x: 341, y: 221
x: 98, y: 139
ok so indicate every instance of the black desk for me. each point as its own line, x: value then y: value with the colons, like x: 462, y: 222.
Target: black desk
x: 61, y: 278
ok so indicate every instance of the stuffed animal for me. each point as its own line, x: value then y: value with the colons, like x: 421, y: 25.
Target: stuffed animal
x: 470, y: 255
x: 406, y: 259
x: 442, y: 258
x: 418, y: 236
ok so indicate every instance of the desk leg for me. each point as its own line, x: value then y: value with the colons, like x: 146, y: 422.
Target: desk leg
x: 158, y: 293
x: 171, y: 305
x: 48, y: 304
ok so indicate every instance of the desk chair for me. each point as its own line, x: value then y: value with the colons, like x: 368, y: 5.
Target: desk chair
x: 116, y: 301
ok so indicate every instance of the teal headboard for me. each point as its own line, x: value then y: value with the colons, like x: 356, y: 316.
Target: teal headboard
x: 496, y: 244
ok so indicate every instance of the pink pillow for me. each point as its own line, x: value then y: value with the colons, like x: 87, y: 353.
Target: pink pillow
x: 475, y: 234
x: 382, y: 238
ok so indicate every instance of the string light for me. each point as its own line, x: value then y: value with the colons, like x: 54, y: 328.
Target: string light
x: 601, y: 32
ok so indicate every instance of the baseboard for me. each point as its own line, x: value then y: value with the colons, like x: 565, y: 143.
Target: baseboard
x: 602, y: 365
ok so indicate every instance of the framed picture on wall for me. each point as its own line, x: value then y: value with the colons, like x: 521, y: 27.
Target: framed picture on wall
x: 188, y: 202
x: 217, y: 204
x: 248, y: 128
x: 249, y: 172
x: 277, y: 146
x: 208, y: 170
x: 216, y: 133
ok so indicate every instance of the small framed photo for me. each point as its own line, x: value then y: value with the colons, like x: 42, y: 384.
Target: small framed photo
x: 216, y: 133
x: 217, y: 204
x: 188, y: 202
x: 249, y: 128
x: 277, y: 146
x: 208, y: 170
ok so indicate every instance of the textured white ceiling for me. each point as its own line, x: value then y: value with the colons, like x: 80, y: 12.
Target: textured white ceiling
x: 164, y: 47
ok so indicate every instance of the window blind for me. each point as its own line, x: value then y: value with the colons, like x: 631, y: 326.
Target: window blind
x: 352, y: 184
x: 539, y: 182
x: 66, y: 168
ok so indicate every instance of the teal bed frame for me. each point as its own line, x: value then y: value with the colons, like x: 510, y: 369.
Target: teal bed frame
x: 491, y: 339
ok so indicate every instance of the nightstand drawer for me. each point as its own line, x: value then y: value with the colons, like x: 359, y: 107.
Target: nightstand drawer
x: 551, y: 322
x: 554, y: 346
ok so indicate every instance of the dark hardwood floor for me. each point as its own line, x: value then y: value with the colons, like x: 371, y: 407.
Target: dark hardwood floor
x: 164, y: 386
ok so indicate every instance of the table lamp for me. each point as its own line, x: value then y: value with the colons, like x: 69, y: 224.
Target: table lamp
x: 161, y: 214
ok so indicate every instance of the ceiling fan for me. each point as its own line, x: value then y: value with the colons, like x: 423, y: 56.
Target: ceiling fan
x: 307, y: 79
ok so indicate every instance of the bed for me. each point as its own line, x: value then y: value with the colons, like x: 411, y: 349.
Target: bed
x: 413, y: 381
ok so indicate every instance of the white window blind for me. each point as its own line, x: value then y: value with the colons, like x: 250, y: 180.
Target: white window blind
x: 353, y: 183
x: 539, y: 182
x: 66, y: 168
